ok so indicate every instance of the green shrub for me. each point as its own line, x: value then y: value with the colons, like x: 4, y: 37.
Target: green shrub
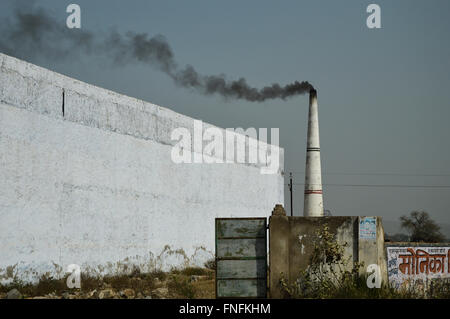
x: 331, y: 275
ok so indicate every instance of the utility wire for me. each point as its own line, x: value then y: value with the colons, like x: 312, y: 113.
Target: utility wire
x: 375, y: 174
x: 383, y: 186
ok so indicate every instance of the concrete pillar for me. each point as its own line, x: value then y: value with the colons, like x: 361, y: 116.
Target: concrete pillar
x: 279, y: 237
x: 313, y: 204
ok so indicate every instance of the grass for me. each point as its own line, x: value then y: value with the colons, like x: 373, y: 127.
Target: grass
x: 205, y: 289
x: 357, y: 289
x: 179, y: 283
x: 192, y: 271
x: 181, y: 287
x: 330, y: 275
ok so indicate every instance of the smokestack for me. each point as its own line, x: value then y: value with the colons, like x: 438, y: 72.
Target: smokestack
x: 313, y: 174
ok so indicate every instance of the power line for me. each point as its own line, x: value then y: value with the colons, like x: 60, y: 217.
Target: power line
x: 383, y: 185
x: 376, y: 174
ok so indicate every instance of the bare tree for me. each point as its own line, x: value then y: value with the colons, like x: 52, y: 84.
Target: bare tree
x: 422, y: 228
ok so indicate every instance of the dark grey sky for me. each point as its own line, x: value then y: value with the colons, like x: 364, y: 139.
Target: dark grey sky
x: 384, y: 98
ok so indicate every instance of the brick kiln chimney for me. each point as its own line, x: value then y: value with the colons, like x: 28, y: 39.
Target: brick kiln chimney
x: 313, y: 205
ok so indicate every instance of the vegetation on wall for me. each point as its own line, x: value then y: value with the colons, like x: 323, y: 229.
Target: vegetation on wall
x: 331, y: 275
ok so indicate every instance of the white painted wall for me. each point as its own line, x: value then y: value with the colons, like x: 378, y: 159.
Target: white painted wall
x: 97, y: 187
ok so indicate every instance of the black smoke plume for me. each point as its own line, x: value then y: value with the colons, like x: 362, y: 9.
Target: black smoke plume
x: 32, y: 32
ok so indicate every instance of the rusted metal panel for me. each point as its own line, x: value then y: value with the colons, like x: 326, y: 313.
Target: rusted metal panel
x: 241, y: 257
x: 241, y: 248
x: 236, y: 269
x: 240, y: 228
x: 249, y: 288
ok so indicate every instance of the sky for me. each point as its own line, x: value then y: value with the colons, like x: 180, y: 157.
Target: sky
x: 383, y: 94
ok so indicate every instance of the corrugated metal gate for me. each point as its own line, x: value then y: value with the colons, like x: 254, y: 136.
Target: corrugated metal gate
x: 241, y: 257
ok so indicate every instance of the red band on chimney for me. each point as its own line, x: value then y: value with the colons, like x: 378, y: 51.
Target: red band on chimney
x: 313, y: 192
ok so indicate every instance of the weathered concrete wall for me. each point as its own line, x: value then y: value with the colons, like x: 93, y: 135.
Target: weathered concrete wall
x: 371, y: 248
x: 86, y: 178
x: 291, y: 245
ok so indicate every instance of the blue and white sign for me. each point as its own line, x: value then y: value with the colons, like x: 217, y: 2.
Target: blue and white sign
x: 368, y: 228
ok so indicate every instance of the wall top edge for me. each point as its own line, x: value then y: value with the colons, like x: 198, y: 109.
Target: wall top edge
x: 414, y: 244
x: 28, y: 69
